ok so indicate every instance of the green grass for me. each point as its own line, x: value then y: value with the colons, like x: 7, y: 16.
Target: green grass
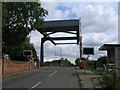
x: 97, y: 70
x: 108, y: 79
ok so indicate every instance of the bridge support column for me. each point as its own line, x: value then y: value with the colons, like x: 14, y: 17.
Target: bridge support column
x: 42, y: 52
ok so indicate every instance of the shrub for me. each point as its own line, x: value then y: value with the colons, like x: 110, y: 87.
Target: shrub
x: 108, y: 80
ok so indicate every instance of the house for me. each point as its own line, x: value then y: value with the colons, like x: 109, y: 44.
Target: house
x: 113, y: 53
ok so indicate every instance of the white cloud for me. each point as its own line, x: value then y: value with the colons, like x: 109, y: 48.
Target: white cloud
x: 36, y: 40
x: 98, y: 39
x: 52, y: 52
x: 99, y: 26
x: 96, y: 18
x: 54, y: 12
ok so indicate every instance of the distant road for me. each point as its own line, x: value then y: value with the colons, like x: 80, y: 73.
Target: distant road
x: 53, y: 77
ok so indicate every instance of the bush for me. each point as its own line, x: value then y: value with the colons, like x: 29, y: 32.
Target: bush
x: 108, y: 80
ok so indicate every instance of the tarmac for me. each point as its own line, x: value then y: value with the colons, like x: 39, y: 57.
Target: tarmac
x: 21, y: 72
x: 89, y: 79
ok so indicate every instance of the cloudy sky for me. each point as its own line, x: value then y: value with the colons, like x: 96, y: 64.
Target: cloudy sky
x: 99, y: 25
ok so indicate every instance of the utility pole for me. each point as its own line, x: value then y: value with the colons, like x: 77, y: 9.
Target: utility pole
x: 80, y: 38
x: 61, y: 51
x: 80, y: 46
x: 55, y: 52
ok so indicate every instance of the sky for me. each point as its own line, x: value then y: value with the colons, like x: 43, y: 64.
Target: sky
x: 99, y: 25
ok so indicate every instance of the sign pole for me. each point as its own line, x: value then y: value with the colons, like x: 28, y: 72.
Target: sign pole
x: 80, y: 46
x: 85, y: 64
x: 80, y: 37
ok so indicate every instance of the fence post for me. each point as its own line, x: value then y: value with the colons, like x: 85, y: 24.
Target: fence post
x: 2, y: 65
x: 4, y: 59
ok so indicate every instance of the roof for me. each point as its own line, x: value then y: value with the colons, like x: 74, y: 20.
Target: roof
x: 109, y: 46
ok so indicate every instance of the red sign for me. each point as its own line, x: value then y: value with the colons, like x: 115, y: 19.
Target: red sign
x: 80, y: 37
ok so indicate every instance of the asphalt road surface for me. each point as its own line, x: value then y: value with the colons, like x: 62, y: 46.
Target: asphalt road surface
x: 53, y: 77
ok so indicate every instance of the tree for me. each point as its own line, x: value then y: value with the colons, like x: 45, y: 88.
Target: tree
x: 17, y: 52
x: 18, y: 20
x: 103, y: 59
x: 67, y: 63
x: 28, y: 46
x: 77, y: 61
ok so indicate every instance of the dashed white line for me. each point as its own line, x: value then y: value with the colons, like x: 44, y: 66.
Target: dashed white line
x: 35, y: 85
x: 52, y: 73
x: 41, y: 82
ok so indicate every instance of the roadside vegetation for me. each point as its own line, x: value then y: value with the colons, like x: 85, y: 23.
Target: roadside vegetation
x: 61, y: 62
x: 97, y: 70
x: 109, y: 79
x: 18, y: 20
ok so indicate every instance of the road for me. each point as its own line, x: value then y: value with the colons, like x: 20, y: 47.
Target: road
x: 53, y: 77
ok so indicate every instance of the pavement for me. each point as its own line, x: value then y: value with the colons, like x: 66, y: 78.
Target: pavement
x: 52, y: 77
x: 89, y: 79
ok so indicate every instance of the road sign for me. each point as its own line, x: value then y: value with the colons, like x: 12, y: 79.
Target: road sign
x: 88, y: 51
x: 80, y: 37
x: 27, y: 53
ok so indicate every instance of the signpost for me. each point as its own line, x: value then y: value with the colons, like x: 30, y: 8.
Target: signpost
x: 28, y: 54
x: 87, y: 51
x: 80, y: 46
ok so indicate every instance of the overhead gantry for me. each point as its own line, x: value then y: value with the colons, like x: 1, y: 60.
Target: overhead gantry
x: 52, y: 27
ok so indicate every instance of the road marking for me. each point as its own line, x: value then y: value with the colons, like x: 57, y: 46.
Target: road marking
x: 35, y: 85
x: 52, y: 73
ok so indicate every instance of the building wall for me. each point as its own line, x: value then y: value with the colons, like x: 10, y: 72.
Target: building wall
x: 9, y: 67
x: 0, y: 68
x: 117, y: 58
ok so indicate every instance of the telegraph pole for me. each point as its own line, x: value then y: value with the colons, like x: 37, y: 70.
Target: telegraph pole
x: 80, y: 38
x: 80, y: 46
x: 61, y: 51
x: 55, y: 52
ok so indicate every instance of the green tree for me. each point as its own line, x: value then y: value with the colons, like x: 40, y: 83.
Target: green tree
x: 17, y: 52
x: 28, y: 46
x: 18, y: 20
x: 67, y: 63
x: 77, y: 61
x: 103, y: 59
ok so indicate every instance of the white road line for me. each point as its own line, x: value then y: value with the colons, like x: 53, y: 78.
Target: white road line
x: 35, y: 85
x: 52, y: 73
